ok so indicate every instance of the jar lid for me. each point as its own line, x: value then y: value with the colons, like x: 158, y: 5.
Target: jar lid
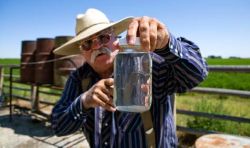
x: 123, y: 43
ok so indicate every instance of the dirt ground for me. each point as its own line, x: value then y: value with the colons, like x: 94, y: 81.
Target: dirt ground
x: 29, y: 131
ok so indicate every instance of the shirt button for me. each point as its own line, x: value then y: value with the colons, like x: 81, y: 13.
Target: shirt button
x: 105, y: 143
x: 78, y: 115
x: 106, y: 124
x: 75, y: 117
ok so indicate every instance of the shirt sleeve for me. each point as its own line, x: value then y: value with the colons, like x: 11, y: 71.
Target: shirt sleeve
x: 68, y: 115
x: 183, y: 64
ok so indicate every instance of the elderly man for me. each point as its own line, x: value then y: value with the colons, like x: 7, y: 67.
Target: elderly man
x: 87, y: 99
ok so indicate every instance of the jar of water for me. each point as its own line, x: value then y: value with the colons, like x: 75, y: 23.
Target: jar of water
x: 132, y: 78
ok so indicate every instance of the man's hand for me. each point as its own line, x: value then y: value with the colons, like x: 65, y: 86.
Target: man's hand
x: 153, y: 34
x: 100, y: 94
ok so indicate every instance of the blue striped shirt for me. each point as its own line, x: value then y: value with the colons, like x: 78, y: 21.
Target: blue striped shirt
x: 182, y: 69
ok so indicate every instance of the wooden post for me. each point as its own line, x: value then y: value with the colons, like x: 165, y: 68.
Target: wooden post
x: 34, y: 98
x: 10, y: 93
x: 1, y: 80
x: 173, y: 106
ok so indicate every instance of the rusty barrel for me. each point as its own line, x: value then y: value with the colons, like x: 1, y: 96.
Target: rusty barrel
x: 44, y: 66
x: 64, y: 65
x: 27, y: 71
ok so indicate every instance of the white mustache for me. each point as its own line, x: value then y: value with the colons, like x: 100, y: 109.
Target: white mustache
x: 95, y: 53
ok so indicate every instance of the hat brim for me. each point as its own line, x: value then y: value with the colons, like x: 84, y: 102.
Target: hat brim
x: 71, y: 47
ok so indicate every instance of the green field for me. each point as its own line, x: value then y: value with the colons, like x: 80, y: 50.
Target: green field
x: 209, y: 61
x: 9, y: 61
x: 232, y: 61
x: 218, y: 104
x: 239, y: 81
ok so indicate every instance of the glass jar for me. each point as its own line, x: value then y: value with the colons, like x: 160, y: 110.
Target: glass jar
x: 132, y: 78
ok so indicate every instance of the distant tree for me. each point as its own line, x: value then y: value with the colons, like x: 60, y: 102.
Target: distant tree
x: 234, y: 57
x: 214, y: 57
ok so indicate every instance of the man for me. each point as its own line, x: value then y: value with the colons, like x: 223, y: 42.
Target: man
x: 87, y: 98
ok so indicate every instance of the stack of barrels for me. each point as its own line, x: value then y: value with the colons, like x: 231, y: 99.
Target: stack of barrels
x: 40, y: 66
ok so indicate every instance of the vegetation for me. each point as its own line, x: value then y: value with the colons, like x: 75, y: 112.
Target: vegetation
x: 238, y: 81
x: 216, y: 104
x: 9, y: 61
x: 229, y: 61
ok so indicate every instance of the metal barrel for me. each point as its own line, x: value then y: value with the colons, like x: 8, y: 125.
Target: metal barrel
x: 28, y: 48
x: 63, y: 67
x: 44, y: 68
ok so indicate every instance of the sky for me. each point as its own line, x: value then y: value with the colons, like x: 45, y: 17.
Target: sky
x: 218, y: 27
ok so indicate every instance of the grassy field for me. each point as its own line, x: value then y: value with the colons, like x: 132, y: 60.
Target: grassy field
x: 218, y: 104
x: 9, y: 61
x: 240, y: 81
x: 233, y: 61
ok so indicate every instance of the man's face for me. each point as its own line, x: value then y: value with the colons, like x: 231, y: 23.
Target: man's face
x: 99, y: 51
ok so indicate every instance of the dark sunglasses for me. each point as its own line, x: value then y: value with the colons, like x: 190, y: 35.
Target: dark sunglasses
x: 102, y: 38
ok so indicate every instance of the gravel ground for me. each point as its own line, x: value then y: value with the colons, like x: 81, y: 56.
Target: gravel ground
x: 28, y: 131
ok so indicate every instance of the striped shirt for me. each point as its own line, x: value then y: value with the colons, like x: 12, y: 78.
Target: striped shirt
x: 182, y: 69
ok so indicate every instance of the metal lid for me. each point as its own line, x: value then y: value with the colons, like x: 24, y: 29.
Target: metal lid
x: 123, y: 44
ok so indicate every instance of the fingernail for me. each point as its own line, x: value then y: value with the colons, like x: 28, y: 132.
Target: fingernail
x: 113, y: 109
x: 131, y: 41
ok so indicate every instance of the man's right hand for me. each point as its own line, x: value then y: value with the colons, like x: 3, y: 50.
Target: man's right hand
x: 100, y: 94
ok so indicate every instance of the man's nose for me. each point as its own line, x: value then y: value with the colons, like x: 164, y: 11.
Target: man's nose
x: 96, y: 44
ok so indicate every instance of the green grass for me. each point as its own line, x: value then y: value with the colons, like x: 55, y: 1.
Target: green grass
x: 245, y: 61
x: 217, y: 104
x: 10, y: 61
x: 238, y: 81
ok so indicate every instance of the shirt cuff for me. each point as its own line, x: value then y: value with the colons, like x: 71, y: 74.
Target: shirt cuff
x: 77, y: 109
x: 173, y: 50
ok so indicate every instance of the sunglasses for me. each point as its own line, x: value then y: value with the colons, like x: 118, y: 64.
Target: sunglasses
x: 103, y: 39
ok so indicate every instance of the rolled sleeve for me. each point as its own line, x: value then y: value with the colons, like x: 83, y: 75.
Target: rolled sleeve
x: 184, y: 65
x: 68, y: 115
x: 78, y: 112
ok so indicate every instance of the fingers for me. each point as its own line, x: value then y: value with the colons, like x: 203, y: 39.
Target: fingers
x: 104, y: 97
x: 109, y: 82
x: 101, y: 94
x: 153, y: 34
x: 106, y: 105
x: 132, y: 31
x: 145, y: 88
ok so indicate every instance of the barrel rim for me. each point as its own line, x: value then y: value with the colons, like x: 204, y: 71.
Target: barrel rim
x: 63, y: 36
x: 23, y: 41
x: 45, y: 38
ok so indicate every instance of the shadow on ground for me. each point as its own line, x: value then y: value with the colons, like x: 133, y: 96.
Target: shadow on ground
x: 26, y: 130
x: 25, y: 125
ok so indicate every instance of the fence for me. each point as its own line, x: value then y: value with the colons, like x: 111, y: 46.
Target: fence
x: 8, y: 86
x: 35, y: 99
x: 245, y: 94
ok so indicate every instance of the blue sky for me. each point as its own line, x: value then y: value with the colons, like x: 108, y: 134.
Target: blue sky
x: 218, y: 27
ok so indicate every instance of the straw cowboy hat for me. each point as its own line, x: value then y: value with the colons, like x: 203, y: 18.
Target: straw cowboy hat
x: 92, y: 22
